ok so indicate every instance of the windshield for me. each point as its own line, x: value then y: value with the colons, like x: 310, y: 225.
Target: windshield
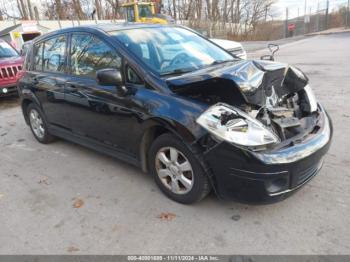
x: 171, y: 50
x: 6, y: 50
x: 145, y: 11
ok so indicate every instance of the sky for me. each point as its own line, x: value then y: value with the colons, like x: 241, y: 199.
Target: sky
x: 293, y: 5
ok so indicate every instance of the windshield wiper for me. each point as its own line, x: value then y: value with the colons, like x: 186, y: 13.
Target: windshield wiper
x: 217, y: 62
x: 182, y: 71
x: 177, y: 71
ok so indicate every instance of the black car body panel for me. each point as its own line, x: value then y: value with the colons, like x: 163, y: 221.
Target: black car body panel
x: 83, y: 111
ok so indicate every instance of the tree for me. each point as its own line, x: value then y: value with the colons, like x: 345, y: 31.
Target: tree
x: 23, y: 9
x: 31, y: 14
x: 115, y: 5
x: 98, y: 9
x: 59, y: 9
x: 78, y: 9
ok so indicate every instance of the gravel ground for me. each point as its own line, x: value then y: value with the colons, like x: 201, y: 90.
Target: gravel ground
x: 64, y: 199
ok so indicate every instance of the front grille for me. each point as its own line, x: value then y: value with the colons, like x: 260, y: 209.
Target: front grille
x: 308, y: 173
x: 9, y: 72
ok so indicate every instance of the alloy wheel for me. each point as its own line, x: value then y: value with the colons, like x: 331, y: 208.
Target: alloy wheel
x: 174, y: 170
x: 37, y: 124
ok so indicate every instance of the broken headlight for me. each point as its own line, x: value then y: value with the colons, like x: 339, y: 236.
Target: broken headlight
x: 233, y: 125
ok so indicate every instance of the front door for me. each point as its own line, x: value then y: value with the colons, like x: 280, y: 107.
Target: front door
x: 96, y: 112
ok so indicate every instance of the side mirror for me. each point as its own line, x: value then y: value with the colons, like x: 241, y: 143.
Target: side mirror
x: 111, y: 77
x: 273, y: 49
x: 267, y: 57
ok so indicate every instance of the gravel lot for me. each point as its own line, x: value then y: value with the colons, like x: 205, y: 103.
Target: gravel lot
x: 64, y: 199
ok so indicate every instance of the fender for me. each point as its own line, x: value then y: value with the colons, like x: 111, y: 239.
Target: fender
x: 166, y: 112
x: 175, y: 113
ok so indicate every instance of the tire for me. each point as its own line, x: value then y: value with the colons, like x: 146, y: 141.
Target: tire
x: 179, y: 181
x: 39, y: 125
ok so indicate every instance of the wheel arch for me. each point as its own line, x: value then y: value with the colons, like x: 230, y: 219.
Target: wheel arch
x: 156, y: 127
x: 26, y: 100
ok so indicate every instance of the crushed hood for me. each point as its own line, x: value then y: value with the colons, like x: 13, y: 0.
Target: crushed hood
x: 255, y: 79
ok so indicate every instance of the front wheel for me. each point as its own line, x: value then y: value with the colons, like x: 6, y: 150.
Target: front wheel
x: 177, y: 171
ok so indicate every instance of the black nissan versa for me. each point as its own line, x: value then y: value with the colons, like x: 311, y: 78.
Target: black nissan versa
x: 178, y: 106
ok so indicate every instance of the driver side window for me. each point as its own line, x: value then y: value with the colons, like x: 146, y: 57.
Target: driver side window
x: 89, y: 54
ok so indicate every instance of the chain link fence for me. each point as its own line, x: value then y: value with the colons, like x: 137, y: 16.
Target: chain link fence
x: 320, y: 18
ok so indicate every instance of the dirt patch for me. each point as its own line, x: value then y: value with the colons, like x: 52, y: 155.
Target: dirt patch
x: 78, y: 203
x: 166, y: 216
x: 72, y: 249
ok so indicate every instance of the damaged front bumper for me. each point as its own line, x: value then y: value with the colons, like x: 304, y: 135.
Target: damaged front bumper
x: 268, y: 176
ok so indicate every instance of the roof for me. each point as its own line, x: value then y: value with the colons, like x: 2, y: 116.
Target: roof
x: 9, y: 29
x: 122, y: 26
x: 106, y: 28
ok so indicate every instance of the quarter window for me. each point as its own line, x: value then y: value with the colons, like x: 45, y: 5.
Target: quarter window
x: 89, y: 54
x: 54, y: 54
x: 132, y: 77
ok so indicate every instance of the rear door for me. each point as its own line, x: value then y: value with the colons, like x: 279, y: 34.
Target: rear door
x: 48, y: 76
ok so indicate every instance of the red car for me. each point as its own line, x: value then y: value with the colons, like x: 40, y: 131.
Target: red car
x: 10, y: 65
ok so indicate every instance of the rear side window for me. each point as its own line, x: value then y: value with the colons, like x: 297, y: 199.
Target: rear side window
x: 38, y: 57
x: 54, y: 54
x: 49, y: 56
x: 89, y: 54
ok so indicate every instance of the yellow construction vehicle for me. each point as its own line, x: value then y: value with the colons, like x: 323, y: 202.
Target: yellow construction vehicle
x: 145, y: 12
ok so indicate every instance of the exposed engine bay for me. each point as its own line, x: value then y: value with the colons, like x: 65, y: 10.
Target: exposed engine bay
x: 259, y: 103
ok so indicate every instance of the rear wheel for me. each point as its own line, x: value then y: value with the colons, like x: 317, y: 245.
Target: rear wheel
x: 38, y: 124
x: 177, y: 171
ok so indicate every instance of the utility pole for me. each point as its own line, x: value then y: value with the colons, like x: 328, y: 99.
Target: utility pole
x: 327, y: 14
x: 347, y: 22
x: 309, y: 30
x: 286, y: 24
x: 305, y: 17
x: 318, y: 16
